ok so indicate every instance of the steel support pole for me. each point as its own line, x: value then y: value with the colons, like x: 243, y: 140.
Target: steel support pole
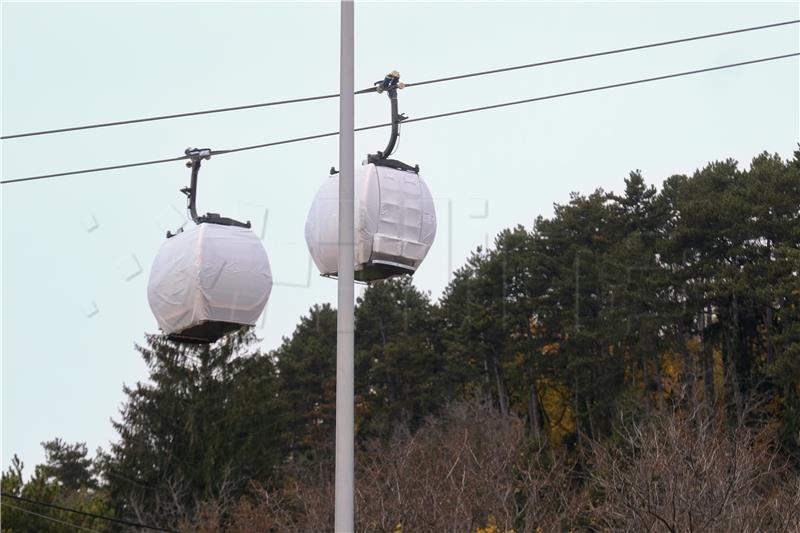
x: 345, y: 401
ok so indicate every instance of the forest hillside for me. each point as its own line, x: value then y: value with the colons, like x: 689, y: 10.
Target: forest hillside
x: 631, y: 363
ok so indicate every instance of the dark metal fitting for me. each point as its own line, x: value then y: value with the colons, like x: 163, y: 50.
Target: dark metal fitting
x: 390, y: 82
x: 196, y: 154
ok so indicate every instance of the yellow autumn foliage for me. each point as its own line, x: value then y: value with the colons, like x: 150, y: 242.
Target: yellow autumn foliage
x: 557, y: 406
x: 491, y: 527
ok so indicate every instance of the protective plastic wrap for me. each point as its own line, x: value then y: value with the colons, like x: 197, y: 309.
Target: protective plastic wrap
x: 209, y: 273
x: 395, y: 221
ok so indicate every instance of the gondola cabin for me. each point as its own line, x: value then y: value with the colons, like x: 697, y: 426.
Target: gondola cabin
x: 395, y: 223
x: 211, y: 279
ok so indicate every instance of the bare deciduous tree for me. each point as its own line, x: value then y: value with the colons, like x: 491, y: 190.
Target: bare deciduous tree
x: 470, y: 467
x: 687, y: 472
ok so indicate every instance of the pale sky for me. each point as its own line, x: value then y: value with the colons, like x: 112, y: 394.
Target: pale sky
x: 76, y: 251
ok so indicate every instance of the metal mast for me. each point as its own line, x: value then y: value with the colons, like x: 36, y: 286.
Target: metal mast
x: 345, y: 400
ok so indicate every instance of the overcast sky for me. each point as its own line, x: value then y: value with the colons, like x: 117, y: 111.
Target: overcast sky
x: 76, y: 251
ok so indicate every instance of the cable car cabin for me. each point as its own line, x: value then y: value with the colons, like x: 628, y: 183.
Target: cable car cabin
x: 208, y: 281
x: 395, y: 223
x: 211, y: 279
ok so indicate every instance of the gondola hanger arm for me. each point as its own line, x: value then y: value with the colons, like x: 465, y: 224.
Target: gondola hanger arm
x: 390, y: 85
x: 195, y: 158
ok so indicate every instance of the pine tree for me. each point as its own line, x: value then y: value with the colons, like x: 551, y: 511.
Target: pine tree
x: 204, y: 427
x: 306, y: 365
x: 402, y: 375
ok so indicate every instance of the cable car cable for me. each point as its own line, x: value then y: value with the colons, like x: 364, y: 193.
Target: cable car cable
x: 420, y: 119
x: 600, y: 54
x: 99, y: 169
x: 425, y: 82
x: 603, y: 87
x: 86, y: 513
x: 180, y: 115
x: 50, y: 518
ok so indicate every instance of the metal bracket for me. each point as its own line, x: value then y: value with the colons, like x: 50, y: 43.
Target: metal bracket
x: 390, y: 84
x: 196, y: 156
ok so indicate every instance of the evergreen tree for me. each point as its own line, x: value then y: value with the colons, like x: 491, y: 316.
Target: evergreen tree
x: 67, y: 478
x: 306, y: 365
x: 202, y: 429
x: 401, y: 374
x: 67, y: 465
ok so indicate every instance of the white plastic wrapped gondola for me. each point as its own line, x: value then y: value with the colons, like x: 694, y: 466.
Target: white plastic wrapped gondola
x: 210, y: 280
x: 395, y: 223
x: 395, y: 220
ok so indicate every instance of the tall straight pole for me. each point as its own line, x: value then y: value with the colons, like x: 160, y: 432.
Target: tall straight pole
x: 345, y: 401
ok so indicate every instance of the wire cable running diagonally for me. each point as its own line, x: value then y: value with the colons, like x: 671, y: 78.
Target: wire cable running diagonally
x: 420, y: 119
x: 101, y: 169
x: 86, y: 513
x: 604, y: 53
x: 180, y: 115
x: 50, y: 518
x: 602, y: 87
x: 413, y: 84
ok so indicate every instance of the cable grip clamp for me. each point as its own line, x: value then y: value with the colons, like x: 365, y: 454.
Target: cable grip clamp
x: 390, y: 82
x: 197, y: 154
